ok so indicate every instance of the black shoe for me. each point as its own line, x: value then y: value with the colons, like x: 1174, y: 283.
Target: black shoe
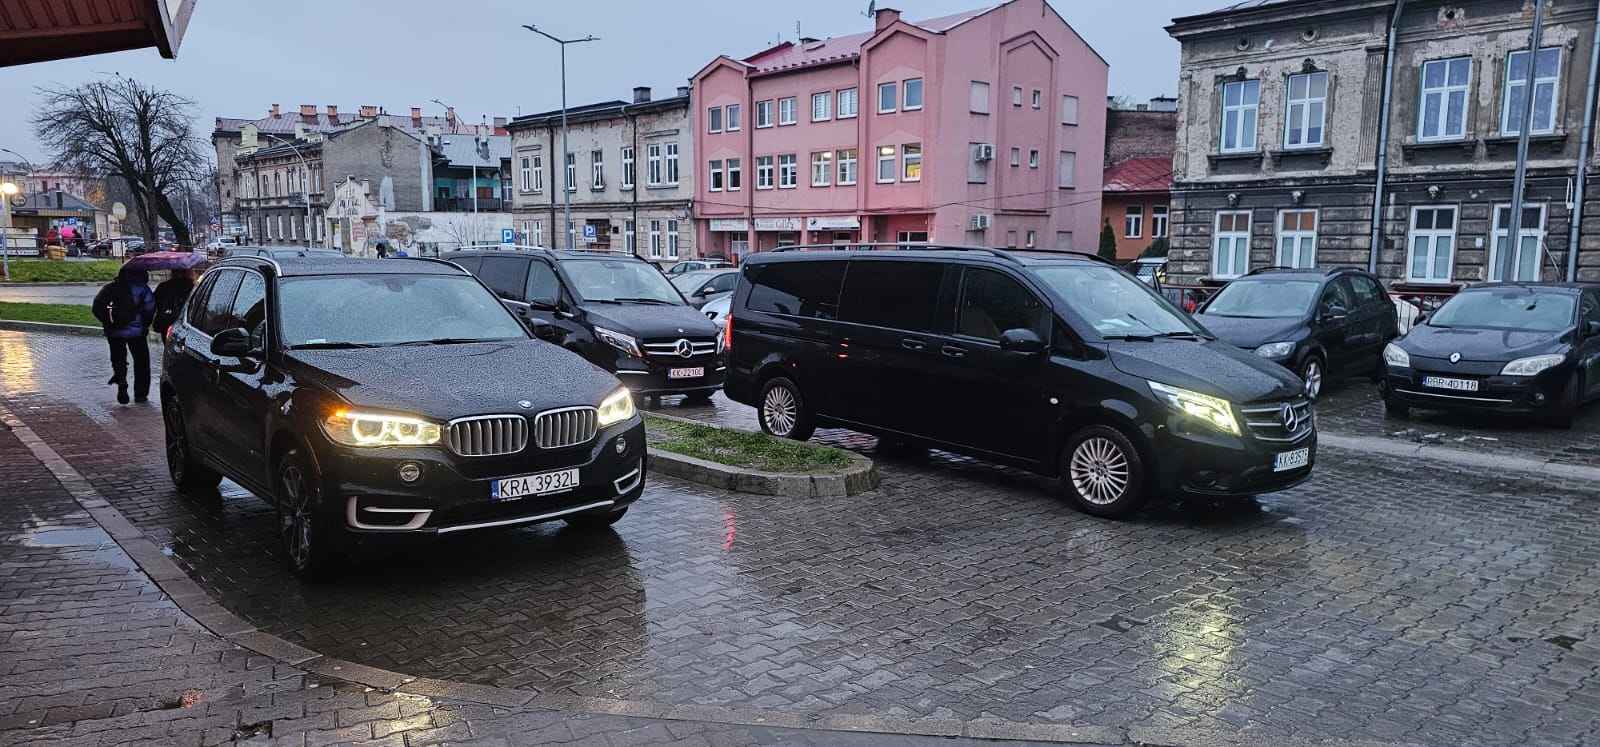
x: 111, y: 380
x: 122, y: 395
x: 141, y: 399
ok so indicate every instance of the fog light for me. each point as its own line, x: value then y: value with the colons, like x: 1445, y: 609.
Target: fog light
x: 622, y: 446
x: 1538, y: 398
x: 410, y: 472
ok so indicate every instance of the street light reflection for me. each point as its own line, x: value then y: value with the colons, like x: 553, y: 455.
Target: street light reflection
x: 17, y: 366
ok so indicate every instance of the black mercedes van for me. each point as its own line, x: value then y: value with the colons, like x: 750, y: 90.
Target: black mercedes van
x: 1060, y: 363
x: 613, y: 308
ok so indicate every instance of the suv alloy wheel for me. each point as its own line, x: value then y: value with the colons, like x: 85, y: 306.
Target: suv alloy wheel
x: 303, y: 528
x: 1102, y: 473
x: 187, y: 474
x: 783, y: 411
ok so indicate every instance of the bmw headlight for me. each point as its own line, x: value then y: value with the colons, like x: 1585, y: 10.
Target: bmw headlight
x: 1275, y: 350
x: 1212, y: 411
x: 372, y: 429
x: 1532, y: 366
x: 1394, y: 356
x: 616, y: 408
x: 620, y: 341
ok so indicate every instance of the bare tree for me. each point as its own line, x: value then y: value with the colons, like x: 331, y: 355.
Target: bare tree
x: 122, y: 128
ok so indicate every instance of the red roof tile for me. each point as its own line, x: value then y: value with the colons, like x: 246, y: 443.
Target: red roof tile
x: 1139, y: 175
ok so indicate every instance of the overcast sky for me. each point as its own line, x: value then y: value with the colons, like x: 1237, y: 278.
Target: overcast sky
x: 240, y: 57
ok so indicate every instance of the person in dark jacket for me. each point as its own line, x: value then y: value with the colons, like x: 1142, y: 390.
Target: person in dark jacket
x: 170, y: 295
x: 126, y: 308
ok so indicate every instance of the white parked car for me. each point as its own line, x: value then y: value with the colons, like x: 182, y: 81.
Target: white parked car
x: 717, y: 309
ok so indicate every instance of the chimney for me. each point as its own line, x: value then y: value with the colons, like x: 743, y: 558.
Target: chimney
x: 499, y: 125
x: 369, y: 112
x: 884, y: 17
x: 308, y: 110
x: 275, y: 113
x: 450, y: 115
x: 683, y: 90
x: 416, y: 116
x: 641, y: 94
x: 333, y: 113
x: 808, y: 40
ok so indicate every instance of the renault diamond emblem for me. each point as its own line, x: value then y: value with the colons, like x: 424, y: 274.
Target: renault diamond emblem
x: 685, y: 349
x: 1290, y: 420
x: 525, y: 404
x: 1455, y: 357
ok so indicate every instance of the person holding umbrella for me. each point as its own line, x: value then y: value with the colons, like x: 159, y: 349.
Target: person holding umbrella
x: 125, y: 308
x: 170, y: 295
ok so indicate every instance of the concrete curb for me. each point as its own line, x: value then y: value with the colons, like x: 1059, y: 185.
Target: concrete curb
x: 860, y: 477
x: 1462, y: 457
x: 60, y: 329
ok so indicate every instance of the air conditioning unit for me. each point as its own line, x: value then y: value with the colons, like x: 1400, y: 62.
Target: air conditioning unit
x: 980, y: 222
x: 984, y: 152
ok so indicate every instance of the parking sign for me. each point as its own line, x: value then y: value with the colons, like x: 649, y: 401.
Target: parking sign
x: 508, y: 236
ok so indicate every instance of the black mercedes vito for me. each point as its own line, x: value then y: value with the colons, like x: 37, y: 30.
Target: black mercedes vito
x: 1056, y: 362
x: 613, y: 308
x: 369, y: 399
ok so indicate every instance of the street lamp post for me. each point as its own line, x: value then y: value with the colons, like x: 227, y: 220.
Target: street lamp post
x: 566, y: 152
x: 305, y: 180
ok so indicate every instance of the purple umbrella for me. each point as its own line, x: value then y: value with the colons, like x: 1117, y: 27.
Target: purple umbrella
x: 164, y: 261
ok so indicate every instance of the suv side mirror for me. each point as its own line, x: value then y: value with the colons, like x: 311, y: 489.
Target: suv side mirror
x: 232, y: 343
x: 1021, y: 340
x: 1592, y: 329
x: 545, y: 304
x: 540, y: 328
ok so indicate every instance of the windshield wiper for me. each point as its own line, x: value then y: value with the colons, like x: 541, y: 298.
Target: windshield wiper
x: 1132, y: 338
x: 333, y: 345
x: 645, y: 300
x: 1186, y: 333
x: 451, y: 341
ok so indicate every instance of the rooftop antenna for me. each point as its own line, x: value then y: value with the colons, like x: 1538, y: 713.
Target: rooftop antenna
x: 872, y: 9
x: 797, y: 36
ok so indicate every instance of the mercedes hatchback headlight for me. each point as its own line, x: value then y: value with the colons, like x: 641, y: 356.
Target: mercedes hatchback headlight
x: 1532, y: 366
x: 372, y: 429
x: 620, y: 341
x: 1394, y: 356
x: 1212, y: 411
x: 616, y: 408
x: 1275, y: 350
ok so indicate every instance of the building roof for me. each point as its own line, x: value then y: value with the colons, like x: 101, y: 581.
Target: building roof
x: 321, y: 122
x: 55, y: 201
x: 461, y: 150
x: 596, y: 111
x: 1139, y: 175
x: 791, y: 55
x: 37, y: 32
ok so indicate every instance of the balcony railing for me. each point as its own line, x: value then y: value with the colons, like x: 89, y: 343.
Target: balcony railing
x: 464, y: 204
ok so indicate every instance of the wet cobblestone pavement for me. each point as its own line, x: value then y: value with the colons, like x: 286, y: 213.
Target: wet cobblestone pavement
x: 1385, y: 599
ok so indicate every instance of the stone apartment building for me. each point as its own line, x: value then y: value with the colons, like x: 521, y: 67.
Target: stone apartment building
x: 629, y: 173
x: 1137, y: 192
x: 1278, y: 139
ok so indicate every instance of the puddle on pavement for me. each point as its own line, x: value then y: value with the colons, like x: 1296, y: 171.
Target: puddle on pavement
x: 92, y: 543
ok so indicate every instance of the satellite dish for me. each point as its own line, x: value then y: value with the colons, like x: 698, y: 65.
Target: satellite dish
x: 119, y: 211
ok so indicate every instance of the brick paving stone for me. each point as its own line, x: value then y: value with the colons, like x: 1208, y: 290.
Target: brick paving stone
x: 1385, y: 599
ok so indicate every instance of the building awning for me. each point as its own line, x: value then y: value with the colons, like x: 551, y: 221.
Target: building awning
x: 32, y: 31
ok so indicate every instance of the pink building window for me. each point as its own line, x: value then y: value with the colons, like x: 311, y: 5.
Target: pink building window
x: 847, y: 103
x: 764, y: 113
x: 888, y: 97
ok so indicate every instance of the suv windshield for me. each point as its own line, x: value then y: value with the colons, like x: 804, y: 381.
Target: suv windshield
x: 1264, y: 299
x: 619, y: 281
x: 1508, y: 308
x: 377, y: 310
x: 1117, y: 305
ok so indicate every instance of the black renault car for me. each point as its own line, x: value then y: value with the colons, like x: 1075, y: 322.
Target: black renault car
x: 1055, y: 362
x: 366, y: 399
x: 1515, y: 348
x: 1323, y: 323
x: 613, y: 308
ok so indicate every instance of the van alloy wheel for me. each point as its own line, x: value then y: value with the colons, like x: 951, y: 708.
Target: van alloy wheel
x: 779, y: 411
x: 1311, y: 371
x: 1099, y: 470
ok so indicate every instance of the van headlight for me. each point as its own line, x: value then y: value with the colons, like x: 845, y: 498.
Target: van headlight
x: 1532, y: 366
x: 620, y: 341
x: 352, y: 428
x: 1394, y: 356
x: 1275, y: 350
x: 1212, y: 411
x: 615, y: 408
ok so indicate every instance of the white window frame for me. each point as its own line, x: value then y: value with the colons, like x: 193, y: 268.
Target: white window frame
x: 1037, y: 99
x: 538, y: 233
x: 893, y: 89
x: 974, y: 90
x: 714, y: 175
x: 886, y: 154
x: 1031, y: 240
x: 714, y: 119
x: 763, y: 114
x: 571, y: 171
x: 1016, y: 97
x: 1296, y: 239
x: 655, y: 238
x: 907, y: 159
x: 788, y: 170
x: 1158, y: 221
x: 538, y: 173
x: 630, y: 236
x: 1239, y: 244
x: 597, y: 169
x: 1016, y: 157
x: 854, y: 97
x: 766, y: 172
x: 1069, y: 110
x: 822, y: 106
x: 786, y: 118
x: 653, y: 164
x: 1133, y: 222
x: 1297, y: 111
x: 1033, y: 158
x: 1243, y: 112
x: 1433, y: 237
x: 822, y: 168
x: 671, y: 162
x: 527, y: 173
x: 734, y: 179
x: 628, y: 167
x: 1067, y: 168
x: 905, y: 95
x: 1444, y: 92
x: 672, y: 238
x: 1508, y: 118
x: 849, y: 163
x: 1502, y: 233
x: 731, y: 118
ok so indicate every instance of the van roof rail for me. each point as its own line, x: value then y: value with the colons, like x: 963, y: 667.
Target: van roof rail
x: 899, y: 246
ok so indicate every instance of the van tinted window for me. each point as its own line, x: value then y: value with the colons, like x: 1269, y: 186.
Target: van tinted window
x: 992, y: 303
x: 505, y: 276
x: 898, y: 295
x: 543, y: 285
x: 798, y: 288
x: 470, y: 264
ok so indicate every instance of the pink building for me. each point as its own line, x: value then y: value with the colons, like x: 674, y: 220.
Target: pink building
x: 985, y: 127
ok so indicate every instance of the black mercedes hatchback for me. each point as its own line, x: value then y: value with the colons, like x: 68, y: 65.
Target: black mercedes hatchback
x: 368, y: 399
x: 613, y: 308
x: 1059, y: 363
x: 1517, y: 348
x: 1323, y: 324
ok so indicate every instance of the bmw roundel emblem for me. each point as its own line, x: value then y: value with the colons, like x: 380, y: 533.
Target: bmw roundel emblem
x: 1455, y: 357
x: 525, y: 404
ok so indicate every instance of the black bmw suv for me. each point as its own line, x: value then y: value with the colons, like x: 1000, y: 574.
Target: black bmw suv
x: 366, y: 399
x: 613, y: 308
x: 1058, y: 363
